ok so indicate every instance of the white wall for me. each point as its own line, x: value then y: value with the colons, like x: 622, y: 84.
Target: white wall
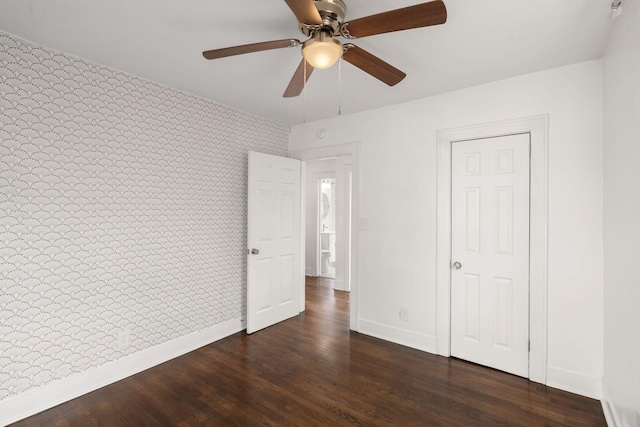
x: 122, y: 223
x: 622, y: 218
x: 398, y: 200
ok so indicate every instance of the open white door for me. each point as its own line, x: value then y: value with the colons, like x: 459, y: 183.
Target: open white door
x: 274, y: 267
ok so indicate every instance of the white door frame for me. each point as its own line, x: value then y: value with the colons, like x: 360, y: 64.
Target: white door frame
x: 342, y: 150
x: 537, y: 127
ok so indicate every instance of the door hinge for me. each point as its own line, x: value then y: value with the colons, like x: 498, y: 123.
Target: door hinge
x: 529, y: 346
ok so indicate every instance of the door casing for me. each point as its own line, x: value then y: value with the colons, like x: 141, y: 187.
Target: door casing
x: 537, y: 127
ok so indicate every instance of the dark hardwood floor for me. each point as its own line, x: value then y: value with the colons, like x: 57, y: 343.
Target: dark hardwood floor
x: 311, y: 370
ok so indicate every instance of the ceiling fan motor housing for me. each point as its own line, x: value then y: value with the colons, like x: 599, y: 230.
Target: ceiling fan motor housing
x: 332, y: 12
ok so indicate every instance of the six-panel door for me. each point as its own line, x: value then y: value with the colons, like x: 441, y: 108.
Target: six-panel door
x: 274, y: 268
x: 490, y: 241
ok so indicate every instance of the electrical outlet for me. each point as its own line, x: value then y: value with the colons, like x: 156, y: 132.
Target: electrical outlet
x: 124, y: 338
x: 404, y: 314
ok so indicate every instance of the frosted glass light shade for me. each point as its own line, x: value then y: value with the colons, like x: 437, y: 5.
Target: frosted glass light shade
x: 322, y: 52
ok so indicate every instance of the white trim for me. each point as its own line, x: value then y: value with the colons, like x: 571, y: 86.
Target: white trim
x: 574, y: 382
x: 537, y: 127
x: 303, y: 237
x: 37, y: 400
x: 333, y: 151
x: 317, y: 218
x: 609, y: 409
x: 348, y: 196
x: 396, y: 335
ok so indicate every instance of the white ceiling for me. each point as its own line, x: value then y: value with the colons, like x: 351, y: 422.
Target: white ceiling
x: 161, y: 40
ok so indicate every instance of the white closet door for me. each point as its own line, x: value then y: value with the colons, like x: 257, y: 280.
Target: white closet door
x: 490, y: 252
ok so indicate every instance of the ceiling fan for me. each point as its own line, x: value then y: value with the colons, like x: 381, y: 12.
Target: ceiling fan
x: 323, y: 20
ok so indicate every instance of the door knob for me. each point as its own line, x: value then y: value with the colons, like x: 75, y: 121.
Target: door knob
x: 456, y: 265
x: 254, y: 251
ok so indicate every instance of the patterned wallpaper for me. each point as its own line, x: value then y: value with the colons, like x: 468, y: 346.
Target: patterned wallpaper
x: 122, y: 213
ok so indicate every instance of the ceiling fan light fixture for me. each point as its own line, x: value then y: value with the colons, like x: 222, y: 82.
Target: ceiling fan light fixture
x: 322, y: 51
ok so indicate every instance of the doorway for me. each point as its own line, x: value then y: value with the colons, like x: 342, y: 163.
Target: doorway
x: 346, y: 158
x: 537, y: 128
x: 327, y: 220
x: 326, y: 249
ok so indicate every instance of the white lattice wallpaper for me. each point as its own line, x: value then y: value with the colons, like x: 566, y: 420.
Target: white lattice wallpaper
x: 122, y: 213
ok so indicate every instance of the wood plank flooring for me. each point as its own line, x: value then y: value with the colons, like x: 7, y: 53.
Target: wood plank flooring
x: 312, y: 371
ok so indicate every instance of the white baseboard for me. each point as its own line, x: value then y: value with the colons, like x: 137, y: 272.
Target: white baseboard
x: 574, y: 382
x: 33, y: 401
x: 338, y: 285
x: 610, y: 414
x: 397, y: 335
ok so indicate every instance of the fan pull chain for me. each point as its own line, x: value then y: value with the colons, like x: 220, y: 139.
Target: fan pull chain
x: 304, y: 93
x: 340, y: 86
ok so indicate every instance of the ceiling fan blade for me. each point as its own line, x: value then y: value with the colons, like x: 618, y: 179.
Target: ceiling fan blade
x: 305, y: 11
x: 248, y: 48
x: 373, y: 65
x: 420, y: 15
x: 296, y: 85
